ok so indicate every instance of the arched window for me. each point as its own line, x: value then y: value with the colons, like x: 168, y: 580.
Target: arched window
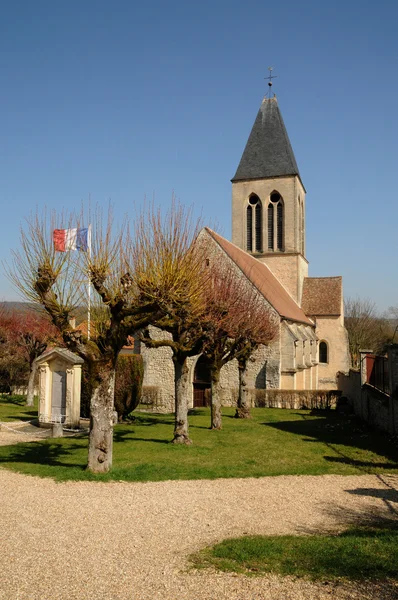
x: 270, y: 227
x: 254, y: 224
x: 275, y: 216
x: 259, y: 227
x: 323, y: 352
x: 279, y: 219
x: 249, y: 228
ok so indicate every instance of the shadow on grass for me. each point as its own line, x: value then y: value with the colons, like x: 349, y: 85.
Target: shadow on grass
x: 148, y: 420
x: 52, y: 454
x: 337, y: 432
x: 26, y: 416
x: 129, y: 436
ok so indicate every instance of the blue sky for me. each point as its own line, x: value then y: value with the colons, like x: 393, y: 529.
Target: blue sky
x: 124, y: 100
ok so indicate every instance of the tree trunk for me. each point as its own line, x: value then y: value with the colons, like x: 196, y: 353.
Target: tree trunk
x: 243, y: 406
x: 181, y: 426
x: 216, y: 421
x: 31, y: 385
x: 101, y: 421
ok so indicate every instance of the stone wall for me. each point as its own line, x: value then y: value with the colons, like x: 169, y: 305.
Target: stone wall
x: 158, y: 385
x: 158, y: 374
x: 289, y: 266
x: 370, y: 404
x: 332, y: 331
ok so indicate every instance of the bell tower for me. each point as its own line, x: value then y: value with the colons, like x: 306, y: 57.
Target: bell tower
x: 268, y: 201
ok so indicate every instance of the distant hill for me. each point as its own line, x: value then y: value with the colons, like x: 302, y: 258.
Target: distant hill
x: 22, y: 307
x: 27, y: 307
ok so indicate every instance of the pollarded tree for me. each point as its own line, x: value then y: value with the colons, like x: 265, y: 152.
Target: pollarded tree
x: 174, y: 279
x: 57, y: 281
x: 258, y: 327
x: 236, y: 322
x: 32, y: 332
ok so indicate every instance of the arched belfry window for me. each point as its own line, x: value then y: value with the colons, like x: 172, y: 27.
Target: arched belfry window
x: 275, y: 215
x: 254, y: 224
x: 270, y: 227
x: 323, y: 352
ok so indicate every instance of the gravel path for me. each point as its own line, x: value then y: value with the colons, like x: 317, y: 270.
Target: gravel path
x: 130, y: 541
x: 83, y: 540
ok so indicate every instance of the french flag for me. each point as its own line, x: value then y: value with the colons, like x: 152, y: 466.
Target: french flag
x: 71, y: 239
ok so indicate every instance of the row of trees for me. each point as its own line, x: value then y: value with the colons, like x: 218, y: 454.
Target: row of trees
x: 160, y: 275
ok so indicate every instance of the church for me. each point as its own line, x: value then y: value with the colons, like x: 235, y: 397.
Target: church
x: 268, y: 252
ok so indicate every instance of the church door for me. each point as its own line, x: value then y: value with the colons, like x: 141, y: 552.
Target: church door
x: 201, y: 383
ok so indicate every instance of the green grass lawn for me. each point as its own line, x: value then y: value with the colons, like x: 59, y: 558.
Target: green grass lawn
x: 273, y: 442
x: 13, y: 408
x: 358, y: 553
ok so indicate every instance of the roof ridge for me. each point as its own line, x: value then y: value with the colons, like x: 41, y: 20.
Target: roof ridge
x: 263, y: 279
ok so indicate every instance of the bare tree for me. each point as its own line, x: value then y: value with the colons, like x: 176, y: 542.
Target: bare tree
x: 236, y: 322
x: 58, y: 282
x: 258, y: 327
x: 365, y: 327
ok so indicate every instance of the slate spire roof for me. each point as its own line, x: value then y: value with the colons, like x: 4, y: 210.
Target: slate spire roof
x: 268, y: 152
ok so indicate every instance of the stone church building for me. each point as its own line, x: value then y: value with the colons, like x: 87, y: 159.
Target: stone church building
x: 268, y: 252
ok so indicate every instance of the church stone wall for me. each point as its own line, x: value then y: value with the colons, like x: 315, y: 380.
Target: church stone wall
x: 288, y: 187
x: 289, y: 269
x: 332, y: 331
x: 158, y: 384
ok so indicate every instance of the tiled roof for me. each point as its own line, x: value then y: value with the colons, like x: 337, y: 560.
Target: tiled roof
x: 263, y: 279
x: 322, y: 296
x: 268, y: 152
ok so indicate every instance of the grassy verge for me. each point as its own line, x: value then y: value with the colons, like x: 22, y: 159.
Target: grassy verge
x: 13, y: 408
x: 358, y: 553
x: 273, y: 442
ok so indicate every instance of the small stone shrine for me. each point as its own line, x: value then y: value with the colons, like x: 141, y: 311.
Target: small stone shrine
x: 60, y: 374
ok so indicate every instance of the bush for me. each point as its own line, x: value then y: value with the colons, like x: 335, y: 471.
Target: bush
x: 150, y: 395
x: 128, y: 384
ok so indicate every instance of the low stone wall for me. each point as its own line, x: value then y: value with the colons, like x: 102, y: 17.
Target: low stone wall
x: 370, y: 404
x: 350, y: 386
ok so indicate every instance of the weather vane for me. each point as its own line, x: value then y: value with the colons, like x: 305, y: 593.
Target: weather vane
x: 270, y: 78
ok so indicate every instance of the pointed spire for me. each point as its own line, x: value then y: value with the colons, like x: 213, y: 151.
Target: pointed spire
x: 268, y: 152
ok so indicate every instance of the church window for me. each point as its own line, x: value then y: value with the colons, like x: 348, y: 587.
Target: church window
x: 323, y: 352
x: 259, y: 227
x: 279, y: 240
x: 249, y: 228
x: 275, y: 222
x: 254, y: 224
x: 270, y: 227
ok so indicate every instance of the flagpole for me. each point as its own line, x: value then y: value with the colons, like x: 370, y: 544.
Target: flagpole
x: 89, y: 284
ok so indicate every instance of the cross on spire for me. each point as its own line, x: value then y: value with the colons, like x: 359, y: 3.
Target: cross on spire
x: 270, y: 78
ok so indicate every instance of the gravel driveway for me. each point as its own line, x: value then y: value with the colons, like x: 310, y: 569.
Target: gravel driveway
x: 130, y: 541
